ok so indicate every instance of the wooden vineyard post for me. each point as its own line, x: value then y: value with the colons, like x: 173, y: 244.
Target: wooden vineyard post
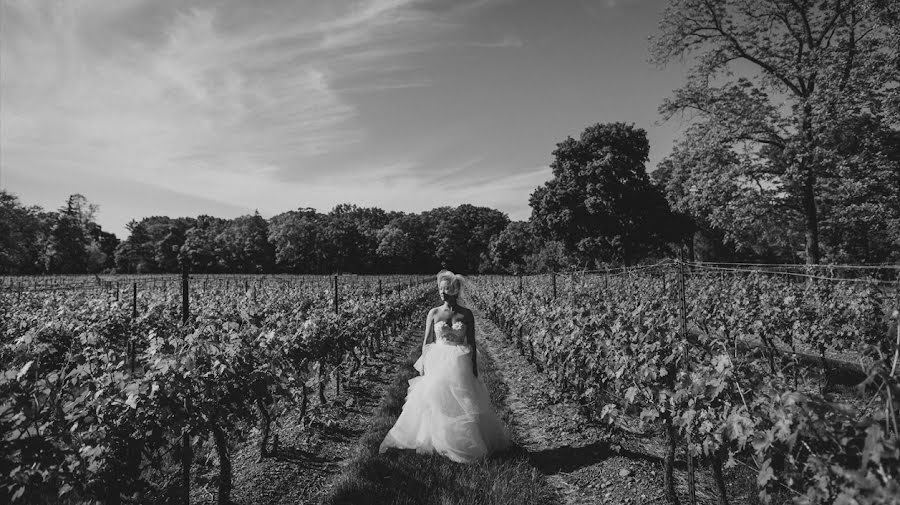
x: 337, y: 369
x: 185, y: 298
x: 520, y: 283
x: 187, y: 458
x: 682, y: 313
x: 118, y: 290
x: 133, y: 344
x: 336, y: 301
x: 379, y: 289
x: 553, y: 276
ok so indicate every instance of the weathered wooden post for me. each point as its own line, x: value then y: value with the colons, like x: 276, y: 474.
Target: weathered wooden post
x: 682, y: 313
x: 336, y: 301
x: 187, y: 458
x: 185, y: 297
x: 132, y: 344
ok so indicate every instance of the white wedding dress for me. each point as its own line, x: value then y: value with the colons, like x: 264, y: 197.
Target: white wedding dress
x: 448, y: 409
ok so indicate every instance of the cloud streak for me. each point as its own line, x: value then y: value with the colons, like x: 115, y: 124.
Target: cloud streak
x: 508, y: 41
x: 200, y: 102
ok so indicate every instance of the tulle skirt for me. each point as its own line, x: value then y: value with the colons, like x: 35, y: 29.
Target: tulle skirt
x: 448, y: 409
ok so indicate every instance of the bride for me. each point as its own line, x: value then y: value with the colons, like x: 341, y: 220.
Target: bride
x: 447, y: 407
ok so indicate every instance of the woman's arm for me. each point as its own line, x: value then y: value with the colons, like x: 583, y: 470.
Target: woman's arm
x: 429, y: 329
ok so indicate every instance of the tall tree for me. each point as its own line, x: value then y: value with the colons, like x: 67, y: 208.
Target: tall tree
x: 101, y: 249
x: 168, y: 237
x: 202, y: 251
x: 135, y: 254
x: 418, y: 228
x: 67, y: 246
x: 244, y: 245
x: 344, y: 241
x: 356, y: 230
x: 80, y: 208
x: 76, y: 243
x: 298, y: 238
x: 601, y: 203
x: 394, y: 247
x: 462, y: 235
x: 732, y: 220
x: 509, y: 250
x: 22, y: 232
x: 809, y: 70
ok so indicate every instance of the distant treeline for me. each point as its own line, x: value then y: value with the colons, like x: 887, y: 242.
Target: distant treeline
x: 599, y: 207
x: 346, y: 239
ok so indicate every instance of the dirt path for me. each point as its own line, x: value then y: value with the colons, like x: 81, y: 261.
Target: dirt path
x: 575, y: 454
x: 310, y: 454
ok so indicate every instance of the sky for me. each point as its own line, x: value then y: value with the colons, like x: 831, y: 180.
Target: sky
x: 189, y: 107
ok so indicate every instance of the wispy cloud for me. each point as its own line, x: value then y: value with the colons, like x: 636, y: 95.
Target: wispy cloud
x: 508, y: 191
x: 276, y: 104
x: 600, y: 8
x: 508, y: 41
x: 209, y: 99
x: 517, y: 180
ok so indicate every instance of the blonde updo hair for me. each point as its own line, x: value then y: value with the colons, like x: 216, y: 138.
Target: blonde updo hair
x: 452, y: 278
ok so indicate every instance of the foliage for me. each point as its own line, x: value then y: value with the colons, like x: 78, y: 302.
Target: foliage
x: 65, y: 241
x: 600, y: 202
x: 22, y: 231
x: 347, y: 239
x: 790, y: 105
x: 615, y: 345
x: 463, y: 235
x: 509, y: 249
x: 94, y: 400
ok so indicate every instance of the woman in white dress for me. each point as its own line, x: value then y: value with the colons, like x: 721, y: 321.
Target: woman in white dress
x: 448, y: 409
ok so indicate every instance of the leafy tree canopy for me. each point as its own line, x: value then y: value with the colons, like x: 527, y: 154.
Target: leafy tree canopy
x: 801, y: 97
x: 600, y: 203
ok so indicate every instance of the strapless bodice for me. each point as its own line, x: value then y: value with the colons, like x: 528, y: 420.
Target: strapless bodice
x: 451, y: 335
